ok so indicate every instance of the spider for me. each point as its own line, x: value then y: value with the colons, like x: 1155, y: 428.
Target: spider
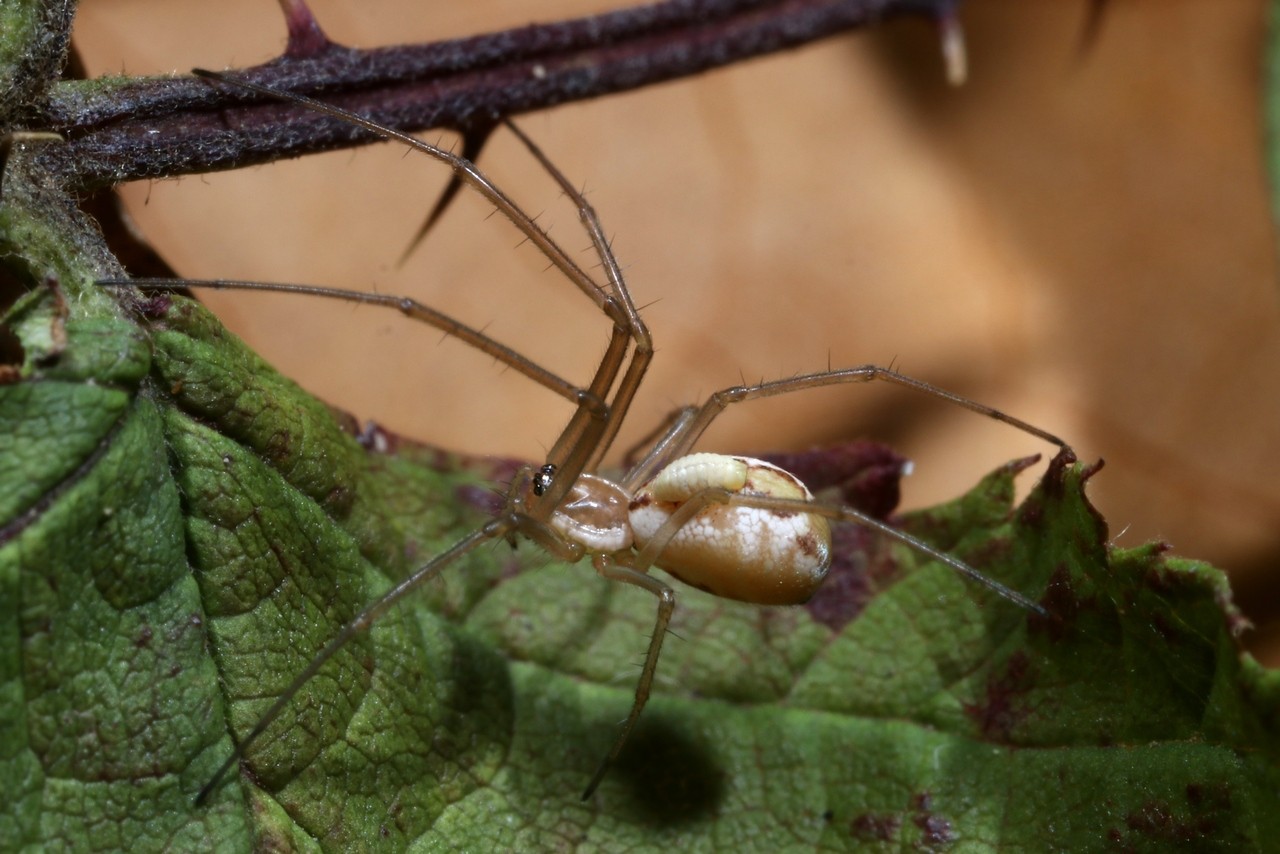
x: 737, y: 527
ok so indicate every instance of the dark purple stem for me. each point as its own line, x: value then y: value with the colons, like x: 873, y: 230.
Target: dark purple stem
x: 165, y: 127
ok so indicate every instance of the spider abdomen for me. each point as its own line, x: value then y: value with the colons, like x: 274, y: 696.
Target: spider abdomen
x: 763, y: 555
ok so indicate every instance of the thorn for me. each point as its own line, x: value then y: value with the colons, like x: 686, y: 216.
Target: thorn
x: 473, y: 141
x: 306, y: 38
x: 1091, y: 31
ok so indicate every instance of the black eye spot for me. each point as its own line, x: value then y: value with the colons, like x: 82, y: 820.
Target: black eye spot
x: 542, y: 480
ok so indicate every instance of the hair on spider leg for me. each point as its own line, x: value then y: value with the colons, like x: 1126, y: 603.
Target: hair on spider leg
x: 736, y: 527
x: 473, y: 142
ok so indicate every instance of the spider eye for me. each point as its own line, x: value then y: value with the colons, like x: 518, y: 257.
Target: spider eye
x: 542, y: 480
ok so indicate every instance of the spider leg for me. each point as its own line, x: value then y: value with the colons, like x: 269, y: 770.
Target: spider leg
x: 464, y: 169
x: 358, y: 625
x: 655, y: 445
x: 584, y: 439
x: 690, y: 508
x: 407, y: 306
x: 577, y: 443
x: 635, y: 571
x: 509, y: 522
x: 591, y: 429
x: 643, y: 353
x: 613, y: 570
x: 473, y: 141
x: 686, y: 429
x: 594, y: 421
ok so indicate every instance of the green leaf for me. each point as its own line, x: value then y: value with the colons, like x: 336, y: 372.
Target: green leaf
x: 183, y: 529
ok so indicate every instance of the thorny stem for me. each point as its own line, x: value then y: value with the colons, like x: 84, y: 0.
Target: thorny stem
x: 157, y: 127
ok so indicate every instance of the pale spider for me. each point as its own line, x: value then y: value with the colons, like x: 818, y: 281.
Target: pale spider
x: 734, y: 526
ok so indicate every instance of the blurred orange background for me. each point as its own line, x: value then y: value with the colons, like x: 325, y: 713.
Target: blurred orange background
x: 1080, y: 239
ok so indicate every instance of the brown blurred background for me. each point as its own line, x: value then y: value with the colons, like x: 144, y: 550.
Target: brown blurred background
x: 1079, y: 239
